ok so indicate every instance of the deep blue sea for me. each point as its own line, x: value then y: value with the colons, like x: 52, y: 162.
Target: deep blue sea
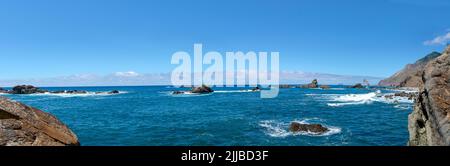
x: 151, y: 115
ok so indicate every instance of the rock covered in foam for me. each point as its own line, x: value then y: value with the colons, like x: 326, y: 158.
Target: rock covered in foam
x: 21, y: 125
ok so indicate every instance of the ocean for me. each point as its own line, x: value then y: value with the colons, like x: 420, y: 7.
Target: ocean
x: 152, y: 116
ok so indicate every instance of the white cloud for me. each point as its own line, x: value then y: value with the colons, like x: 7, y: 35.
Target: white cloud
x: 127, y: 74
x: 439, y: 40
x: 133, y: 78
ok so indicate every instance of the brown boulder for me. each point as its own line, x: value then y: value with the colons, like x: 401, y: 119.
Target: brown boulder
x: 314, y: 84
x: 21, y: 125
x: 314, y: 128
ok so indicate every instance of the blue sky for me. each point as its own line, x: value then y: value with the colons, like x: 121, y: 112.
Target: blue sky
x: 51, y: 38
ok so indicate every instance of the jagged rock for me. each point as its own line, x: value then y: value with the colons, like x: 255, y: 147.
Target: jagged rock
x: 21, y: 125
x: 202, y: 89
x: 313, y: 84
x: 26, y: 89
x: 410, y: 76
x: 314, y: 128
x: 429, y: 123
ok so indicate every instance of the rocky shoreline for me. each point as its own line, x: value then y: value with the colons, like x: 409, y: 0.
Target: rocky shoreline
x: 22, y: 125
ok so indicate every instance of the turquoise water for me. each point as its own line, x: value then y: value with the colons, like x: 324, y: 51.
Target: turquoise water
x: 152, y: 116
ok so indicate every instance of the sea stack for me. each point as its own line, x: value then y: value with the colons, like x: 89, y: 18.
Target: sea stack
x: 22, y: 125
x: 429, y: 123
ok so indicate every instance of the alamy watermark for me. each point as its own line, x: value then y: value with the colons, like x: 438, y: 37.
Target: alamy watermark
x: 241, y: 69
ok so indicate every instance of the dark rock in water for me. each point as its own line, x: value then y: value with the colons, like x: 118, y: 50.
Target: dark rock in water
x: 314, y: 128
x: 410, y: 76
x: 256, y: 89
x: 286, y: 86
x: 202, y: 89
x: 26, y: 89
x: 324, y: 87
x: 358, y: 86
x: 313, y: 84
x: 21, y: 125
x: 177, y: 92
x: 69, y: 92
x: 429, y: 123
x: 114, y: 92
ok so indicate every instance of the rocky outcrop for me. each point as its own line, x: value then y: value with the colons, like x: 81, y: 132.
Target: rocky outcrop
x: 357, y: 86
x: 202, y: 89
x: 314, y: 84
x: 312, y: 128
x: 410, y: 76
x: 21, y: 125
x: 26, y: 89
x: 3, y: 90
x: 429, y: 123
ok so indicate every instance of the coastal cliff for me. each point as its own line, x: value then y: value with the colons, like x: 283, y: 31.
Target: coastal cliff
x: 410, y: 76
x: 21, y: 125
x: 429, y: 123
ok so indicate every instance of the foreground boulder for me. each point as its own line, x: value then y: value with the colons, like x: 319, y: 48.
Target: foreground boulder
x: 202, y: 89
x: 313, y: 128
x: 21, y: 125
x: 429, y: 123
x: 313, y: 84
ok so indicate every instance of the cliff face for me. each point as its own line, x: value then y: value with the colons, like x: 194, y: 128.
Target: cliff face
x: 21, y: 125
x: 429, y: 123
x: 410, y: 76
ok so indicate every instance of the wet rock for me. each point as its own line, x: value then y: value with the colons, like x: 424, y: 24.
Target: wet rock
x: 21, y: 125
x: 429, y: 123
x: 202, y: 89
x: 178, y: 92
x: 314, y: 128
x: 255, y: 89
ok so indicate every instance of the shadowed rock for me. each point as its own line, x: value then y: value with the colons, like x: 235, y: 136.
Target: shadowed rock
x: 26, y: 89
x: 21, y: 125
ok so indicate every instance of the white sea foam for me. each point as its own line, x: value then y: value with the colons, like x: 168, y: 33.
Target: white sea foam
x: 88, y: 94
x: 281, y: 129
x: 368, y: 98
x: 235, y: 91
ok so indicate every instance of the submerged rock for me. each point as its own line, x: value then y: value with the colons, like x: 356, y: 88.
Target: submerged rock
x: 314, y: 128
x: 21, y: 125
x: 314, y: 84
x: 202, y: 89
x: 286, y: 86
x: 429, y: 123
